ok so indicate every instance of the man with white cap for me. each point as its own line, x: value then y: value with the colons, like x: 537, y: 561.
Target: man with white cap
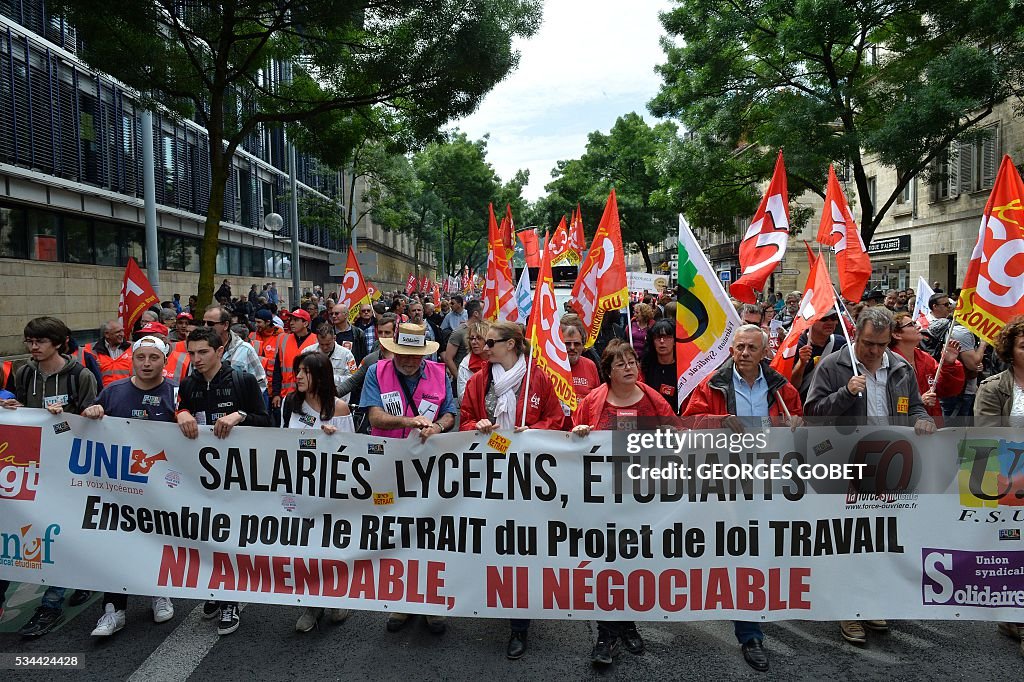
x: 407, y: 393
x: 144, y: 395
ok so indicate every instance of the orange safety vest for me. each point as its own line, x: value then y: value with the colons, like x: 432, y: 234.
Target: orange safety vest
x: 288, y: 352
x: 177, y: 366
x: 266, y: 348
x: 112, y: 370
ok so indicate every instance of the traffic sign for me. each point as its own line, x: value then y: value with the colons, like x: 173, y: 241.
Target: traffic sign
x: 725, y: 276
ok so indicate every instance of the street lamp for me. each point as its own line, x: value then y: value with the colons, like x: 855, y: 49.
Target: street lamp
x: 273, y: 222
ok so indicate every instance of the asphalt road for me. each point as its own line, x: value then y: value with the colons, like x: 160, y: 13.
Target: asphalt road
x: 266, y: 647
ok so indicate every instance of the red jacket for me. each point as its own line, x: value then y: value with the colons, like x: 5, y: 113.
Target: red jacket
x: 593, y: 406
x: 715, y: 398
x: 950, y: 383
x: 543, y: 412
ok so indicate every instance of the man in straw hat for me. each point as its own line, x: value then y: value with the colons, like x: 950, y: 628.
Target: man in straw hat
x: 407, y: 393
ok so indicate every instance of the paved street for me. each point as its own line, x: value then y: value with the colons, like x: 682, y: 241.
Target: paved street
x: 267, y: 648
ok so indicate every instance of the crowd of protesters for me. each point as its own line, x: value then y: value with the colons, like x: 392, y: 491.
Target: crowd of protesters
x: 402, y: 366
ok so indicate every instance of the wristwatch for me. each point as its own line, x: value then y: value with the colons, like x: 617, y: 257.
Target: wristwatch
x: 245, y: 415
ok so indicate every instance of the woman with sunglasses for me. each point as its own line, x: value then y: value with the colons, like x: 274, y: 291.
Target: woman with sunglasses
x: 622, y: 402
x: 479, y: 353
x: 314, y: 405
x: 494, y: 399
x: 906, y: 338
x: 658, y: 368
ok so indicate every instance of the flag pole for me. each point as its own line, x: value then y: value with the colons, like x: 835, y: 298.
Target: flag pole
x: 945, y: 342
x: 529, y: 365
x: 846, y: 335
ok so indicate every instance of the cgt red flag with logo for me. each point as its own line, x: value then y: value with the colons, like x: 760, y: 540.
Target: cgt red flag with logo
x: 601, y: 284
x: 764, y: 244
x: 136, y: 295
x: 819, y: 300
x: 838, y: 230
x: 410, y: 284
x: 993, y: 290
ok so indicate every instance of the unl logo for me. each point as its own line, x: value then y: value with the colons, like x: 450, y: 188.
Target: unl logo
x: 119, y: 462
x: 19, y: 462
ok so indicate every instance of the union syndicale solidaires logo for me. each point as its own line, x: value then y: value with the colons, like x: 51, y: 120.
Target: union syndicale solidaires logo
x: 19, y: 462
x: 119, y: 462
x: 987, y: 579
x: 28, y: 546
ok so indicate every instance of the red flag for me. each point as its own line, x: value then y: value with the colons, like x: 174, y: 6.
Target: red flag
x: 764, y: 244
x: 499, y: 288
x: 410, y: 284
x: 354, y: 290
x: 546, y: 345
x: 819, y: 300
x: 531, y: 248
x: 993, y: 290
x: 558, y: 243
x: 136, y: 295
x: 841, y: 233
x: 437, y: 294
x: 601, y: 284
x: 574, y: 254
x: 507, y: 230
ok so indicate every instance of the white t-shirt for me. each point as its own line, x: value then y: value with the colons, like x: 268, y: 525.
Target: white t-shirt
x: 1017, y: 407
x: 309, y: 418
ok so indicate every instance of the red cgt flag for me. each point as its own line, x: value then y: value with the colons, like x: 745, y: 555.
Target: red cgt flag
x: 136, y: 295
x: 558, y: 243
x: 354, y: 290
x: 546, y: 345
x: 410, y: 284
x: 507, y: 232
x: 576, y: 239
x: 839, y: 230
x: 993, y: 290
x: 499, y: 289
x: 764, y: 244
x: 601, y: 284
x: 819, y: 300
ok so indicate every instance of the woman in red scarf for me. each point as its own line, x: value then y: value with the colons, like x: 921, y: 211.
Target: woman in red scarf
x: 905, y: 339
x: 478, y: 357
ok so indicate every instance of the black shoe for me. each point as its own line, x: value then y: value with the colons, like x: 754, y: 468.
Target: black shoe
x: 228, y: 619
x: 516, y: 645
x: 211, y: 609
x: 632, y: 640
x: 79, y: 597
x: 604, y: 651
x: 42, y: 621
x: 755, y: 655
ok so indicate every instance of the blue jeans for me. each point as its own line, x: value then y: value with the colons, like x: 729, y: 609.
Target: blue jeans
x: 747, y: 630
x: 958, y: 406
x: 53, y: 598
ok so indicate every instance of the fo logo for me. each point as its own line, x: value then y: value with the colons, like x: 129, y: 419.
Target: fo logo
x: 991, y: 473
x: 119, y: 462
x: 26, y: 549
x: 19, y: 462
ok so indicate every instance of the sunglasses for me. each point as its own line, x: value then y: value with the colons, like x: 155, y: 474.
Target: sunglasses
x: 210, y: 323
x: 490, y: 342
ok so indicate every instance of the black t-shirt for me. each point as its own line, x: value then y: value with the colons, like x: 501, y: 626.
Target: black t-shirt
x: 662, y: 378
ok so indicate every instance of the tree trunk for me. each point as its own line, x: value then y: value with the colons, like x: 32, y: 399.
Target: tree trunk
x: 646, y: 255
x: 220, y: 164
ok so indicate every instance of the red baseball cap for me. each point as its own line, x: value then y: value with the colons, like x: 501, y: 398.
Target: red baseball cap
x: 184, y: 316
x: 153, y: 328
x: 301, y: 314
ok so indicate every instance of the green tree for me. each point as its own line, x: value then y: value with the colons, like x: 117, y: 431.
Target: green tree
x: 626, y: 159
x: 426, y: 61
x: 834, y: 81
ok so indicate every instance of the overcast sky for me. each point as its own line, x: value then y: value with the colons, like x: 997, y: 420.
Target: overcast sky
x: 591, y: 62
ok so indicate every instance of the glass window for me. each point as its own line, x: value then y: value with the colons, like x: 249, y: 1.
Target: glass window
x: 268, y: 197
x: 78, y: 241
x: 191, y: 249
x: 234, y: 260
x: 133, y: 245
x: 170, y: 251
x: 222, y: 260
x: 12, y: 233
x: 107, y: 243
x: 41, y: 230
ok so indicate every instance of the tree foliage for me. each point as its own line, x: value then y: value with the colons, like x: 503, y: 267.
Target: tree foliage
x: 627, y: 159
x: 237, y: 65
x: 827, y: 81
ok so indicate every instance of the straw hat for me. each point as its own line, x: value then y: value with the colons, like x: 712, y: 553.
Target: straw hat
x: 411, y: 340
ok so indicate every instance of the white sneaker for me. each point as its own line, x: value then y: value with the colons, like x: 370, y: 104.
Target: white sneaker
x: 163, y: 609
x: 110, y: 622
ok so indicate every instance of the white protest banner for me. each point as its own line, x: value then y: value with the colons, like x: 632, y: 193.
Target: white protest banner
x: 651, y: 282
x: 535, y: 524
